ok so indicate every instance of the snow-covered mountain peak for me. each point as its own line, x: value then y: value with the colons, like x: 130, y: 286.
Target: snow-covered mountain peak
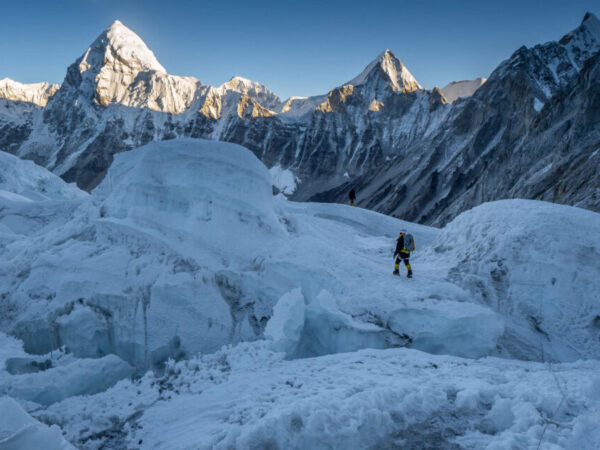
x: 392, y: 69
x: 584, y: 40
x: 118, y: 68
x: 243, y: 85
x: 253, y: 89
x: 459, y: 89
x: 117, y: 50
x: 128, y: 47
x: 592, y: 25
x: 36, y: 93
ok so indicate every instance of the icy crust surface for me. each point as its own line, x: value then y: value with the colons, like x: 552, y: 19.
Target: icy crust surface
x: 183, y: 249
x: 246, y: 396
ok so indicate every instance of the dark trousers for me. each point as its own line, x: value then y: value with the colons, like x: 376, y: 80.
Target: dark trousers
x: 404, y: 257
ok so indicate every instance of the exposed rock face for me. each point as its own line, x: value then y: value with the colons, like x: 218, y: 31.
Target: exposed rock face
x: 406, y: 150
x: 531, y: 131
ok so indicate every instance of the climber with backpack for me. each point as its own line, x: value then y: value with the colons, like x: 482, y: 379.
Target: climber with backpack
x: 404, y: 245
x: 352, y: 196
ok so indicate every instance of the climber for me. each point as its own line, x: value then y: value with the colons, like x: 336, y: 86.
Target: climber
x: 404, y: 245
x: 352, y: 196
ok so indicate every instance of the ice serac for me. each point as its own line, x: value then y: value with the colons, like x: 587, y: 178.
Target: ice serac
x: 182, y: 250
x: 80, y: 377
x: 192, y: 211
x: 500, y: 252
x: 32, y: 198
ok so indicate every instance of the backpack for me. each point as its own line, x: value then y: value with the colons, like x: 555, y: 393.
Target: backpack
x: 409, y: 242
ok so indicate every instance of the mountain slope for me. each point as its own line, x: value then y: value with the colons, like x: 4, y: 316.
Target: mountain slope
x: 525, y: 133
x: 406, y: 150
x: 117, y: 96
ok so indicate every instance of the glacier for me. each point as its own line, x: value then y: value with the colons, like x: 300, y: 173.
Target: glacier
x: 182, y: 304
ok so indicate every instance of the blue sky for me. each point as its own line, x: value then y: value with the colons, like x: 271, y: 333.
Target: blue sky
x: 293, y: 47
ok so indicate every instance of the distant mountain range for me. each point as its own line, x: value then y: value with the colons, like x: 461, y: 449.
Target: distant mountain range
x: 531, y: 130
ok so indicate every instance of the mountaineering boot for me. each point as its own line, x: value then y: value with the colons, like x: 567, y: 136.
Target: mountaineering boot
x: 409, y: 274
x: 396, y: 272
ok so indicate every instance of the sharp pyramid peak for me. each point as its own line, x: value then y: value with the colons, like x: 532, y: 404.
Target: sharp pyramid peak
x: 386, y: 62
x: 587, y: 32
x: 592, y: 24
x: 589, y: 16
x: 117, y: 23
x: 386, y: 54
x: 120, y: 41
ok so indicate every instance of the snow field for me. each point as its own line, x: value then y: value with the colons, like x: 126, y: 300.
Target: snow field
x: 183, y: 254
x: 244, y: 397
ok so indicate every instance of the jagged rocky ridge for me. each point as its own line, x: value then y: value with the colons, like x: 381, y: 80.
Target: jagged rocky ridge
x: 531, y: 131
x: 117, y: 96
x: 36, y: 93
x: 406, y: 150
